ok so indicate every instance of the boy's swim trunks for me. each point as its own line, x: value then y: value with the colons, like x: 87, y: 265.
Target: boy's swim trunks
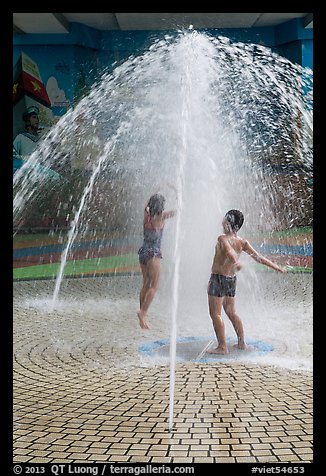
x: 220, y: 285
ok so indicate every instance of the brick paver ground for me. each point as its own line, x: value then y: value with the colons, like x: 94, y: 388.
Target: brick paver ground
x: 81, y: 394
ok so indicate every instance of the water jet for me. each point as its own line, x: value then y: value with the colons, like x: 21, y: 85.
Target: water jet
x: 229, y: 124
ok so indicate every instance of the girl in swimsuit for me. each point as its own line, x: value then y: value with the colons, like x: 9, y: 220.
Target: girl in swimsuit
x: 150, y: 253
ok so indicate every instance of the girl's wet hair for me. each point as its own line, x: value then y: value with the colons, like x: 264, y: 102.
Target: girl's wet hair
x: 156, y: 204
x: 235, y: 218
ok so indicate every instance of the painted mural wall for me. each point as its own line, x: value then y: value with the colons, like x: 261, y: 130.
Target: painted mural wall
x: 48, y: 80
x: 51, y: 73
x: 42, y: 77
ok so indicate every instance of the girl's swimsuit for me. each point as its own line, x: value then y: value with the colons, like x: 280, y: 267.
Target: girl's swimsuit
x: 152, y: 240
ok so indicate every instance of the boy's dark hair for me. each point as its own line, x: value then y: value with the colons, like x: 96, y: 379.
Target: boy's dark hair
x: 156, y: 204
x: 235, y: 219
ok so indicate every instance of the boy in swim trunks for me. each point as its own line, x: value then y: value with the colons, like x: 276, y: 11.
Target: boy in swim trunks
x: 150, y: 253
x: 222, y: 283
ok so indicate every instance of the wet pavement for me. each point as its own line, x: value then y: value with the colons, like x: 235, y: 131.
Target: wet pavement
x: 86, y: 391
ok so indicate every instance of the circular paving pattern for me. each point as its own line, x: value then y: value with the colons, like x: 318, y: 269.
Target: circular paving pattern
x: 83, y: 392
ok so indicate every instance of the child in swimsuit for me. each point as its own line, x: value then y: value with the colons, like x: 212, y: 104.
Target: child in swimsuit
x: 222, y: 283
x: 150, y: 253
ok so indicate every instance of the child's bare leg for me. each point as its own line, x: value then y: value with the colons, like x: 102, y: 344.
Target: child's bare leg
x: 141, y: 316
x: 219, y: 329
x: 149, y: 290
x: 230, y: 311
x: 215, y: 308
x: 142, y: 313
x: 142, y: 294
x: 238, y: 327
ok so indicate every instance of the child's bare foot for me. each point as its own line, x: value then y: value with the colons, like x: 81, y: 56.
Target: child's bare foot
x: 142, y: 321
x: 218, y: 350
x: 242, y: 346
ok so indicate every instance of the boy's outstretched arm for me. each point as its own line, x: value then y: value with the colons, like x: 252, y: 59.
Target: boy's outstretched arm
x: 261, y: 259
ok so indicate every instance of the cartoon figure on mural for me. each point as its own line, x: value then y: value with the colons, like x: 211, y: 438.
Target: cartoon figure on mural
x: 25, y: 142
x: 34, y: 112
